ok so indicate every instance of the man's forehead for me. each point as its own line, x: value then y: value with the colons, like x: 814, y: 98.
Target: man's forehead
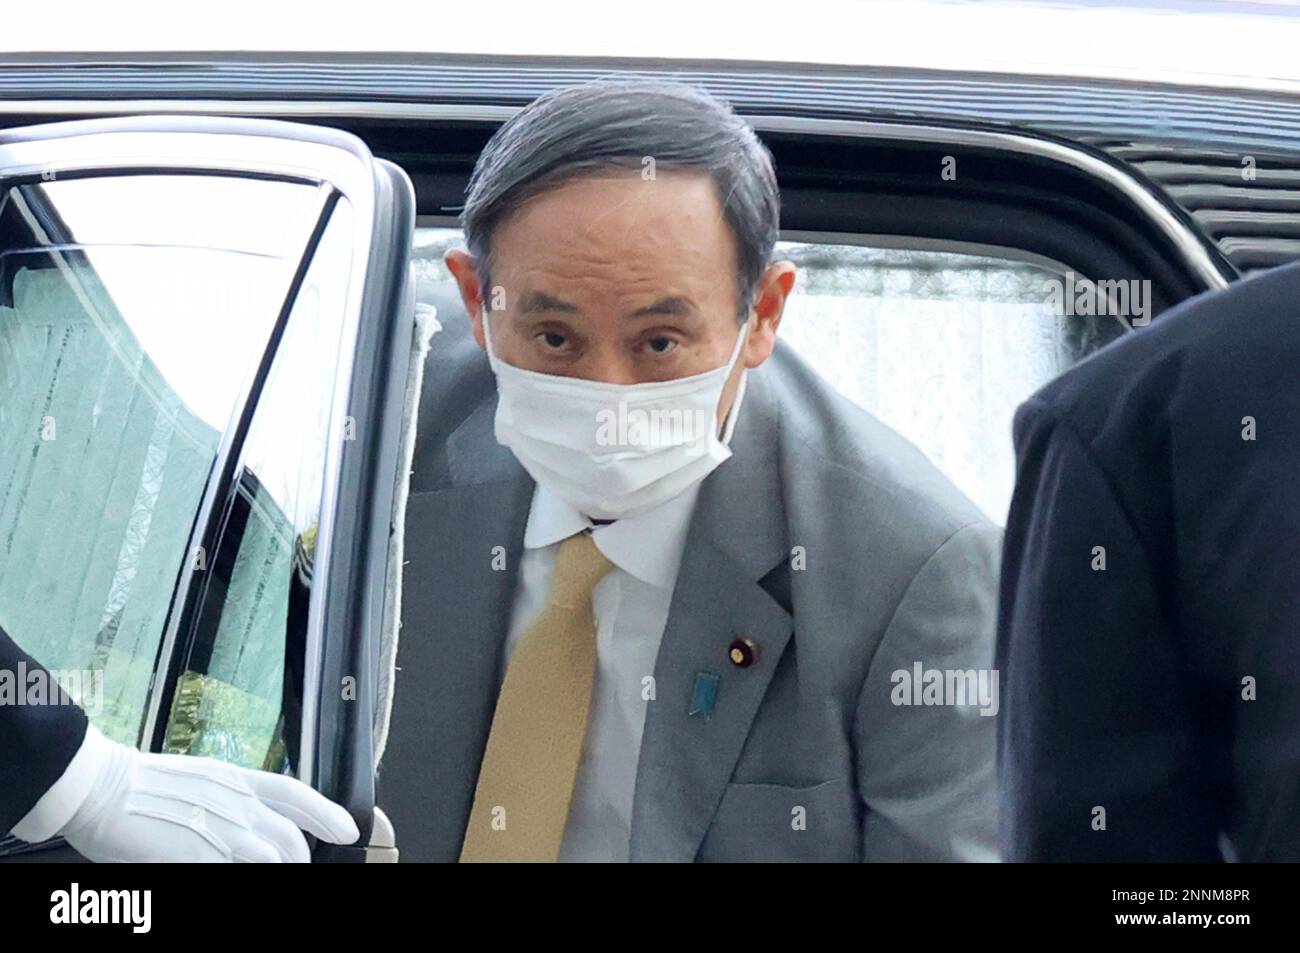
x: 580, y: 250
x: 609, y: 207
x: 585, y: 224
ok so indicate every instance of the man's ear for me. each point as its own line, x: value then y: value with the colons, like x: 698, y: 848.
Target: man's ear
x: 773, y: 291
x: 461, y: 266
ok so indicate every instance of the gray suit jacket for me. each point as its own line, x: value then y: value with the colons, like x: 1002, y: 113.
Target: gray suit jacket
x: 898, y: 568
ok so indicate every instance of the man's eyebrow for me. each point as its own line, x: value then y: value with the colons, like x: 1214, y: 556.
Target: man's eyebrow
x: 673, y: 306
x: 535, y: 302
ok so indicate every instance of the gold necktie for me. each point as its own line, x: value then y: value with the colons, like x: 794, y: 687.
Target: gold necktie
x: 525, y: 783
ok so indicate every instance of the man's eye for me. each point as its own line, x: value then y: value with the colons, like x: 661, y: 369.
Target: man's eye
x: 554, y: 340
x: 662, y: 345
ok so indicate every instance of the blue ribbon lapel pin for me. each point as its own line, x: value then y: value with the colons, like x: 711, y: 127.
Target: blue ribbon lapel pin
x: 704, y: 696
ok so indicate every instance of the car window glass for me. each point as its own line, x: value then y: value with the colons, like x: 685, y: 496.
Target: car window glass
x: 127, y: 330
x: 240, y: 695
x: 940, y: 346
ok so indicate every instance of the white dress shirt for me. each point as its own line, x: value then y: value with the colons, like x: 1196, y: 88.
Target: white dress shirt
x: 631, y: 608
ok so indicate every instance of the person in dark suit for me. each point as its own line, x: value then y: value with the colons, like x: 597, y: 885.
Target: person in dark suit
x: 1149, y: 636
x: 59, y: 776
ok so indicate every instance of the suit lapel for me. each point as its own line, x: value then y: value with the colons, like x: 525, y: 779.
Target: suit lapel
x: 465, y: 541
x: 737, y: 536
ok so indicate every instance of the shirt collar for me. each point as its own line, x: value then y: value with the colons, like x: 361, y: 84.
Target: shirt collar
x: 648, y: 546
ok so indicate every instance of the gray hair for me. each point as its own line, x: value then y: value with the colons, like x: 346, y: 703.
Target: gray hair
x: 584, y: 130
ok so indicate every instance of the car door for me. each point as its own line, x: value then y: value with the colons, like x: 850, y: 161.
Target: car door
x: 205, y: 329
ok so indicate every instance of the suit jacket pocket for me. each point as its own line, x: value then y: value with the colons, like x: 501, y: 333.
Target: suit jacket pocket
x: 777, y: 822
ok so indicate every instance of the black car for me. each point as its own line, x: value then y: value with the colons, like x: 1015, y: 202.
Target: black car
x: 220, y: 286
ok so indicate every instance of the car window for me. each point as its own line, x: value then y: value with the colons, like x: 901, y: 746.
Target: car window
x: 132, y: 310
x: 240, y: 695
x: 940, y: 344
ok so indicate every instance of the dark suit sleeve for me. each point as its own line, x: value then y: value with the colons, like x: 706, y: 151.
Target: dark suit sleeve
x: 1097, y: 712
x: 36, y: 741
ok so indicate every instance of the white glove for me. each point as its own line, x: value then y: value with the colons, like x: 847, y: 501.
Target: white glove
x: 167, y: 807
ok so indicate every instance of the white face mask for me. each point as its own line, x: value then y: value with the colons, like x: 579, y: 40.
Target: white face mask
x: 614, y: 450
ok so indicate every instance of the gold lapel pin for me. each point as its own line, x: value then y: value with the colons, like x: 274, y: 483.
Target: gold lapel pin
x: 743, y: 653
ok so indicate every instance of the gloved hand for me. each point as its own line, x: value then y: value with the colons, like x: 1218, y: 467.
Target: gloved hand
x: 168, y: 807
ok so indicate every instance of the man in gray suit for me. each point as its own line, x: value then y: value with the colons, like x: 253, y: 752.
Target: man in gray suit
x: 626, y: 637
